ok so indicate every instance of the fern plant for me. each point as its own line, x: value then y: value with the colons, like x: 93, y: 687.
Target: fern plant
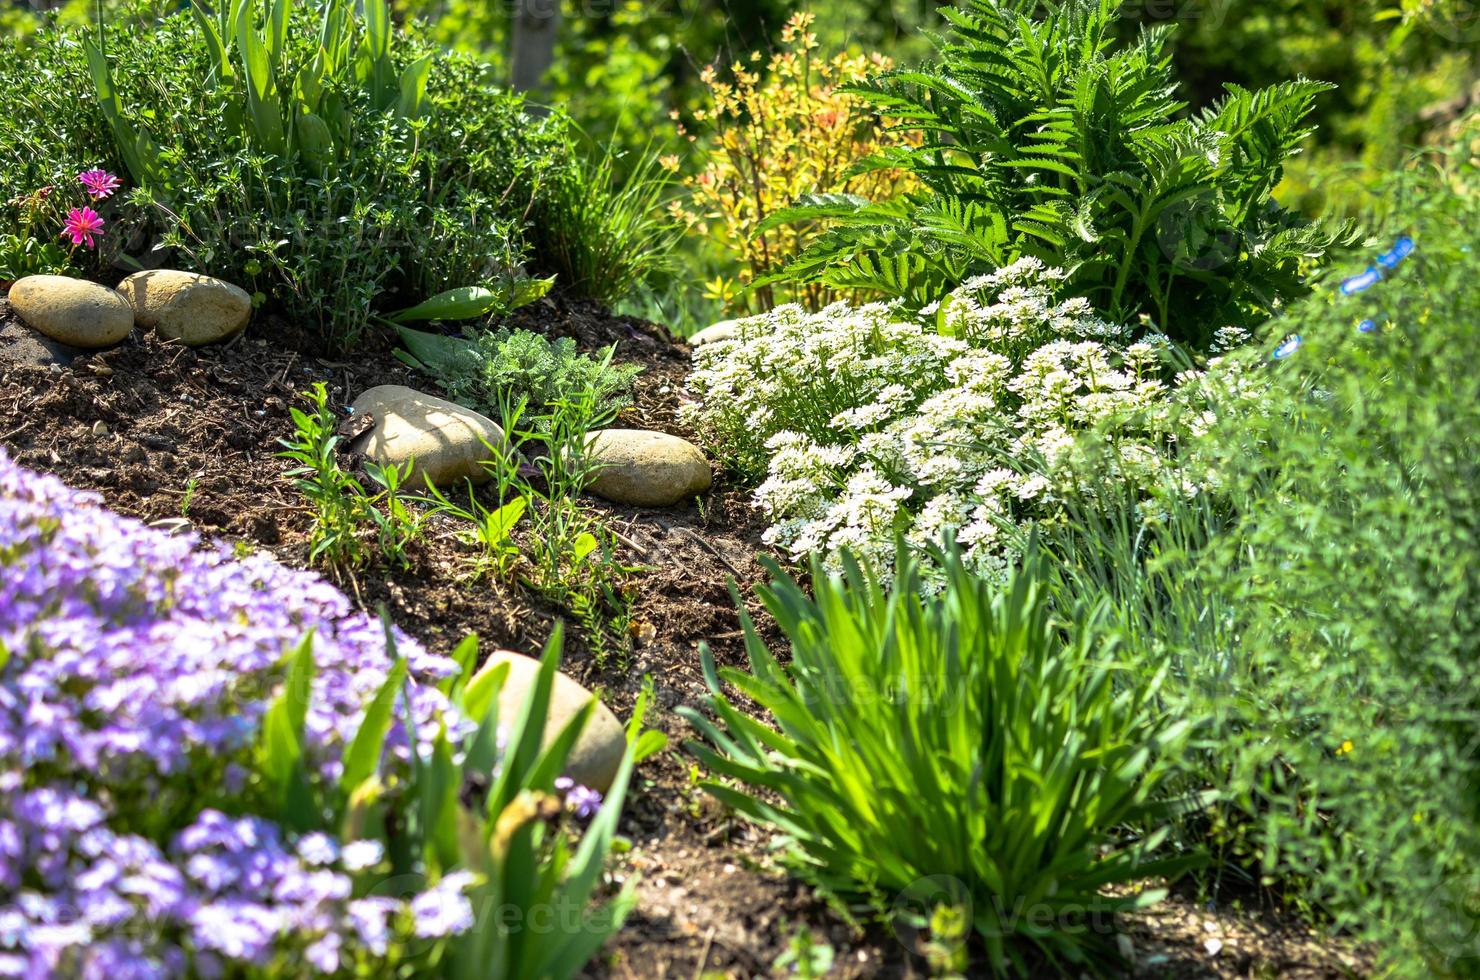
x: 1044, y: 137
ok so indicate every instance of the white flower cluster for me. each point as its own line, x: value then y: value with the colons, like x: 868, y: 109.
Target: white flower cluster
x: 864, y: 424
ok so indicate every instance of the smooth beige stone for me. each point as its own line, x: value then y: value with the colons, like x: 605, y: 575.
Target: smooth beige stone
x: 72, y: 311
x: 598, y: 751
x: 646, y: 469
x: 445, y: 442
x: 193, y: 309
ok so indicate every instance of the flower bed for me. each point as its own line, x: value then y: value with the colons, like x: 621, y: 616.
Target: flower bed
x: 862, y: 422
x: 136, y: 669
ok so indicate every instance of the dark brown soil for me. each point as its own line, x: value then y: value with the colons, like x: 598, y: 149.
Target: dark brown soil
x: 177, y: 436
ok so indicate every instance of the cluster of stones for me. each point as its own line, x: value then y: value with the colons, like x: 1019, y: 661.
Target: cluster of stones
x: 193, y: 309
x: 446, y: 443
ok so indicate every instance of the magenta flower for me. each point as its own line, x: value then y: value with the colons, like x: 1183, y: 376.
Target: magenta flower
x: 82, y: 224
x: 99, y: 183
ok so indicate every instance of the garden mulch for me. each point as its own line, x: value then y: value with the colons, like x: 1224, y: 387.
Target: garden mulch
x: 187, y: 438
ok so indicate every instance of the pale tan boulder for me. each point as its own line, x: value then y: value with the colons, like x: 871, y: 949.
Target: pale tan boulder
x: 598, y: 751
x: 193, y: 309
x: 446, y: 442
x: 72, y: 311
x: 646, y: 469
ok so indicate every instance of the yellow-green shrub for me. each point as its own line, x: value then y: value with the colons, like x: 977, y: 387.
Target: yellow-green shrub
x: 780, y: 130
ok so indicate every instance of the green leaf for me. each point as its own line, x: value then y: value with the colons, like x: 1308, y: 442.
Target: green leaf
x: 436, y: 352
x: 413, y: 87
x: 281, y: 741
x: 315, y: 142
x: 463, y: 303
x: 483, y: 689
x: 139, y: 153
x: 583, y: 545
x: 362, y: 758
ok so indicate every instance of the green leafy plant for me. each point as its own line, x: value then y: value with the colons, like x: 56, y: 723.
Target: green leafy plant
x: 396, y: 203
x: 497, y: 368
x: 571, y: 553
x: 493, y: 815
x: 1354, y: 473
x: 294, y: 113
x: 492, y: 529
x: 1045, y: 138
x: 1314, y: 611
x: 341, y: 504
x: 967, y: 737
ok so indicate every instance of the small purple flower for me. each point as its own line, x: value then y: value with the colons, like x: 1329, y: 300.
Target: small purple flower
x: 443, y: 910
x: 142, y: 664
x: 583, y: 801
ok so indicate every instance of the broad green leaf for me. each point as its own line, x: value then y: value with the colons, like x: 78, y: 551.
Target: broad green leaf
x: 362, y: 758
x: 463, y: 303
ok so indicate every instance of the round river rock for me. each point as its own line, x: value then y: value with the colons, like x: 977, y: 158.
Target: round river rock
x: 646, y: 469
x: 193, y: 309
x: 445, y: 442
x: 72, y: 311
x: 598, y: 751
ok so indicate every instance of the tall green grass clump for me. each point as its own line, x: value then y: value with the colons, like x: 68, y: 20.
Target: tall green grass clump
x: 968, y: 756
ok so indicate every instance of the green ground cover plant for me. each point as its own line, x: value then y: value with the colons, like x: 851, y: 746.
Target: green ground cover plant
x: 969, y: 747
x: 487, y: 370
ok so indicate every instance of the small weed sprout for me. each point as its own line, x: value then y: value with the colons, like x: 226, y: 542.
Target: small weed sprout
x: 342, y: 507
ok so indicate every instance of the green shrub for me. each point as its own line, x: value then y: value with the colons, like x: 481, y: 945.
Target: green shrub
x: 1360, y: 591
x: 1317, y: 614
x: 1045, y: 138
x: 964, y: 745
x: 397, y: 206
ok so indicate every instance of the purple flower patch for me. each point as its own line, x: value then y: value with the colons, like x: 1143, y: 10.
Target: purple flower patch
x: 135, y: 671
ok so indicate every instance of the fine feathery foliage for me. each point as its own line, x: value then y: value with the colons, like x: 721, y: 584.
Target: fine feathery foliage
x: 495, y: 369
x: 1354, y: 561
x: 965, y: 750
x: 1044, y: 137
x: 1315, y: 611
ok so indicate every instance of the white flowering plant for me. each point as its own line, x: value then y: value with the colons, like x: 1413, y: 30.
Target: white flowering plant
x: 864, y: 423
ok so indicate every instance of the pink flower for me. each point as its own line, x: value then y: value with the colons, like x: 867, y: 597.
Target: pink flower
x: 81, y: 225
x: 99, y: 183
